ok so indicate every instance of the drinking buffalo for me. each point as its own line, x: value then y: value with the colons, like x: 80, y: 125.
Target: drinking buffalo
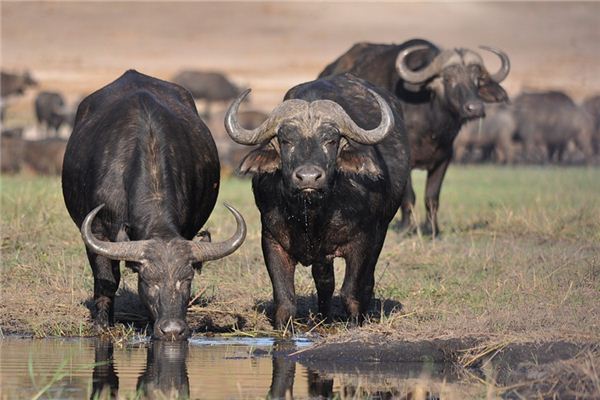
x: 550, y: 120
x: 439, y: 90
x: 328, y: 178
x: 140, y: 178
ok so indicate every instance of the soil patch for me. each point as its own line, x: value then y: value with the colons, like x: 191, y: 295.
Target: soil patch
x: 539, y: 369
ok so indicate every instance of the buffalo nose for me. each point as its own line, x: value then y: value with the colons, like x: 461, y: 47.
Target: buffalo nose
x: 171, y: 329
x: 474, y: 109
x: 309, y: 176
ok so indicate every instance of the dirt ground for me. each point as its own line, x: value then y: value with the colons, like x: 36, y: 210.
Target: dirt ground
x: 77, y: 47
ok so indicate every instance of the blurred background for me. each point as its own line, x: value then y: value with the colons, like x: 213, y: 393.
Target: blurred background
x: 74, y: 48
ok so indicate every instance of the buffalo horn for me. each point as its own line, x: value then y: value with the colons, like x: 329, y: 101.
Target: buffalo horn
x: 504, y: 68
x: 206, y: 251
x: 126, y: 251
x: 350, y: 129
x: 266, y: 130
x: 434, y: 67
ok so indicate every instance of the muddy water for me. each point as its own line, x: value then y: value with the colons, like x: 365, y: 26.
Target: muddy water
x: 198, y: 369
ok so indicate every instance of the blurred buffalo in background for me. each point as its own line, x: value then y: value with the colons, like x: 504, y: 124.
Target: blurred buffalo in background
x: 12, y: 147
x: 52, y: 112
x: 11, y: 84
x: 231, y: 153
x: 208, y: 86
x: 489, y: 138
x: 592, y: 106
x: 547, y: 122
x: 45, y: 156
x: 37, y: 156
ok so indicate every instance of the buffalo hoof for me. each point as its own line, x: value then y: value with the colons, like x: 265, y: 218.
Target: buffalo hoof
x: 427, y: 230
x: 405, y: 228
x: 101, y: 326
x: 284, y: 319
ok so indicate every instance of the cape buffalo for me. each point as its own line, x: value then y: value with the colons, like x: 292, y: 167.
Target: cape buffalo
x: 329, y: 174
x: 14, y: 83
x: 51, y: 111
x: 550, y: 120
x: 439, y: 90
x: 140, y: 178
x: 208, y: 86
x: 490, y: 135
x: 592, y: 107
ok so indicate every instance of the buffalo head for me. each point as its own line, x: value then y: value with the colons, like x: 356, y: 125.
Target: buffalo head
x: 458, y: 77
x: 309, y: 142
x: 165, y: 269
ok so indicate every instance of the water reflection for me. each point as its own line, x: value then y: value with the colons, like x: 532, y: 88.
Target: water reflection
x: 216, y: 368
x: 166, y: 371
x: 104, y: 378
x: 165, y: 375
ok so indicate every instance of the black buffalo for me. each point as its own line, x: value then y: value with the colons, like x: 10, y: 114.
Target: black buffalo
x: 548, y: 121
x: 11, y: 84
x: 140, y: 178
x: 208, y: 86
x: 328, y: 178
x: 592, y: 106
x: 439, y: 90
x: 490, y: 136
x: 51, y: 112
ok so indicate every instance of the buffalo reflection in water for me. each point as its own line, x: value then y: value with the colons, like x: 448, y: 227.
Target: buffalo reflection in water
x: 165, y: 375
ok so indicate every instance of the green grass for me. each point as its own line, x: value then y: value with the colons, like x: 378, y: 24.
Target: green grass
x: 519, y: 255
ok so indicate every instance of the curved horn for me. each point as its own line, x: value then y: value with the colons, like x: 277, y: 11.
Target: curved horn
x: 127, y: 251
x: 411, y: 76
x: 504, y: 68
x: 235, y: 130
x: 352, y: 131
x: 267, y: 129
x: 205, y: 251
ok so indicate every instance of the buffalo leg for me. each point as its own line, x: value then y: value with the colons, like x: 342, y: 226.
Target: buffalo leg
x: 435, y: 177
x: 325, y: 282
x: 281, y: 270
x: 106, y: 282
x: 408, y: 202
x: 282, y: 380
x: 359, y: 279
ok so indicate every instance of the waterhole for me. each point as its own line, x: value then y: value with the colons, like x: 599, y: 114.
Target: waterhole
x: 211, y: 368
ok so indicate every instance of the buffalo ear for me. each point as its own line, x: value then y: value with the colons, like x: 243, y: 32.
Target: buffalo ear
x: 491, y: 92
x: 354, y: 161
x: 265, y: 159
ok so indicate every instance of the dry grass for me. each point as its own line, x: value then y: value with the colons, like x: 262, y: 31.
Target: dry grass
x: 519, y: 257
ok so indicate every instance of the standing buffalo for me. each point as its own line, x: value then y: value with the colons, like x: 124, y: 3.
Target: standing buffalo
x: 592, y: 106
x: 208, y: 86
x: 490, y: 135
x: 550, y: 120
x: 439, y: 90
x: 329, y: 175
x: 51, y: 112
x: 14, y: 83
x: 140, y: 178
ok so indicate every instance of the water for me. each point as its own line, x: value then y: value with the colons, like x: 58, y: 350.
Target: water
x: 216, y: 368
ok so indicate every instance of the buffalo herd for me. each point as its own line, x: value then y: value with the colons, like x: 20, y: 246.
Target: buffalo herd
x: 330, y: 165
